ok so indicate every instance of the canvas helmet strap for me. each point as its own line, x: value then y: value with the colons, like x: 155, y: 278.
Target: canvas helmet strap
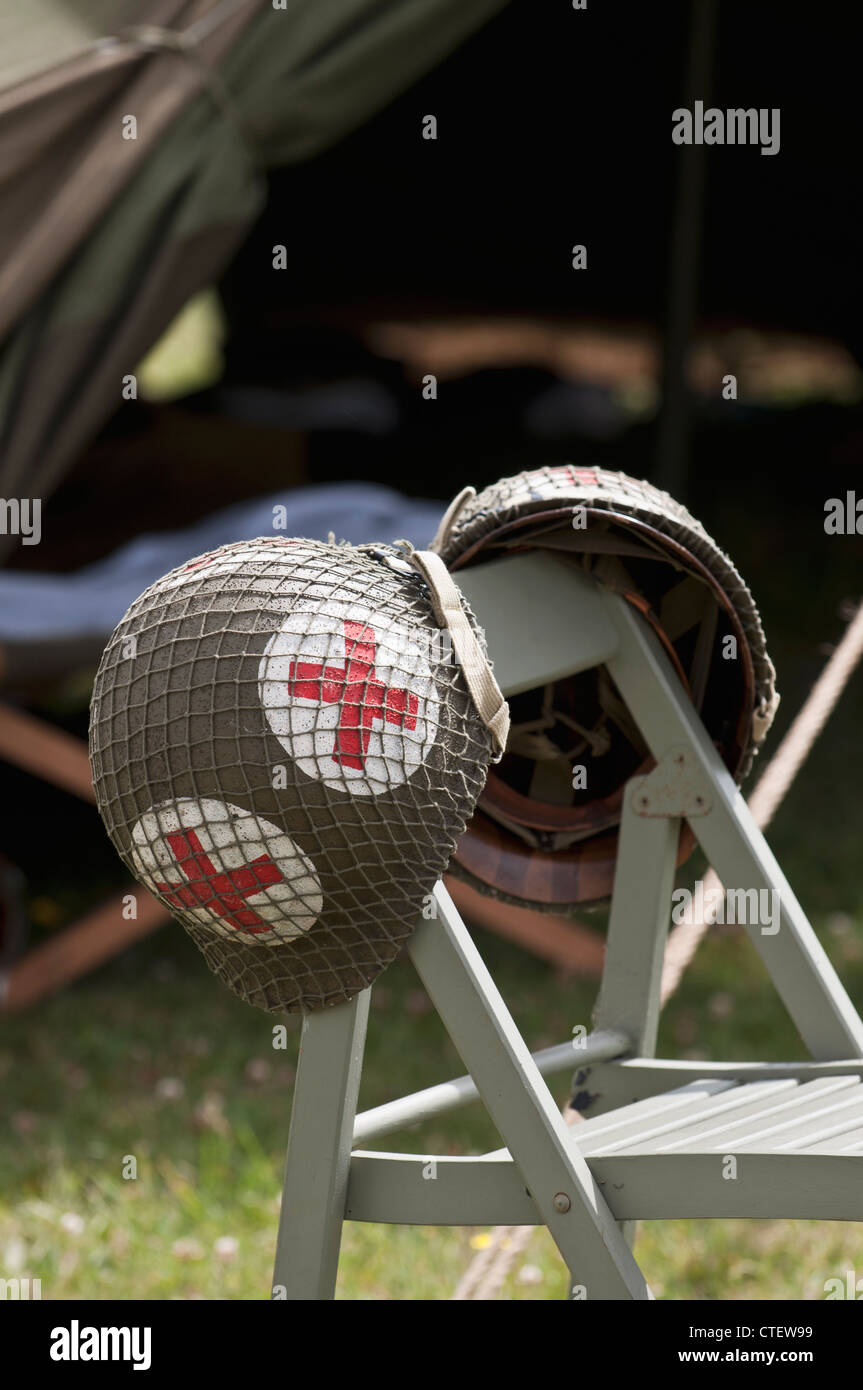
x: 450, y: 517
x: 446, y: 598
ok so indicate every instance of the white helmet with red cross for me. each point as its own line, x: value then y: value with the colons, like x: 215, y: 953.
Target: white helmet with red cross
x: 287, y: 739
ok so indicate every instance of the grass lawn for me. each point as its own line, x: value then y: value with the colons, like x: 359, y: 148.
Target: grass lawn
x: 153, y: 1060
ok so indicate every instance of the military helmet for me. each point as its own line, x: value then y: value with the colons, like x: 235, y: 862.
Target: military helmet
x: 287, y: 738
x: 542, y: 836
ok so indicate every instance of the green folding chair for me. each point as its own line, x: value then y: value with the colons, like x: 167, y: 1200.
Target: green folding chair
x: 660, y: 1138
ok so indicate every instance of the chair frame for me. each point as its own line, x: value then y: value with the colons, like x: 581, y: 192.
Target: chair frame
x: 542, y: 1177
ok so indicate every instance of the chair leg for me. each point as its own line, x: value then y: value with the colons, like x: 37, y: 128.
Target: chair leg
x: 797, y: 962
x: 522, y: 1107
x: 629, y: 997
x: 319, y: 1151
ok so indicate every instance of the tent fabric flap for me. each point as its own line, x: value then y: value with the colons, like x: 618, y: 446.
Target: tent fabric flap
x: 111, y: 224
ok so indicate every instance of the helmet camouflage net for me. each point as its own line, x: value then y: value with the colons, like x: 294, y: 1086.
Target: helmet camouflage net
x: 285, y: 753
x: 536, y: 838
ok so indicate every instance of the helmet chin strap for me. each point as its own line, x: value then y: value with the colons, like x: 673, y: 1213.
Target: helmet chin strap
x: 485, y: 692
x: 450, y: 517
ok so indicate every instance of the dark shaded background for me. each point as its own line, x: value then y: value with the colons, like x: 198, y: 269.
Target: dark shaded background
x: 554, y: 128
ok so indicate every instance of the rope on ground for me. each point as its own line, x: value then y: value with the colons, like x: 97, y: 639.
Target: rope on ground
x: 481, y: 1281
x: 486, y: 1274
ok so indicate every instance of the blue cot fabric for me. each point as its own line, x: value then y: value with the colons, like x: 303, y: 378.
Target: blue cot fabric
x: 91, y: 601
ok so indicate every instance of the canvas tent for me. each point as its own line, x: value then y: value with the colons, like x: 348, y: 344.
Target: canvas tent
x: 104, y: 238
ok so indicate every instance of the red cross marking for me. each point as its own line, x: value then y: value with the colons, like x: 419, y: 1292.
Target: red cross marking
x: 221, y: 893
x: 357, y: 688
x: 576, y: 475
